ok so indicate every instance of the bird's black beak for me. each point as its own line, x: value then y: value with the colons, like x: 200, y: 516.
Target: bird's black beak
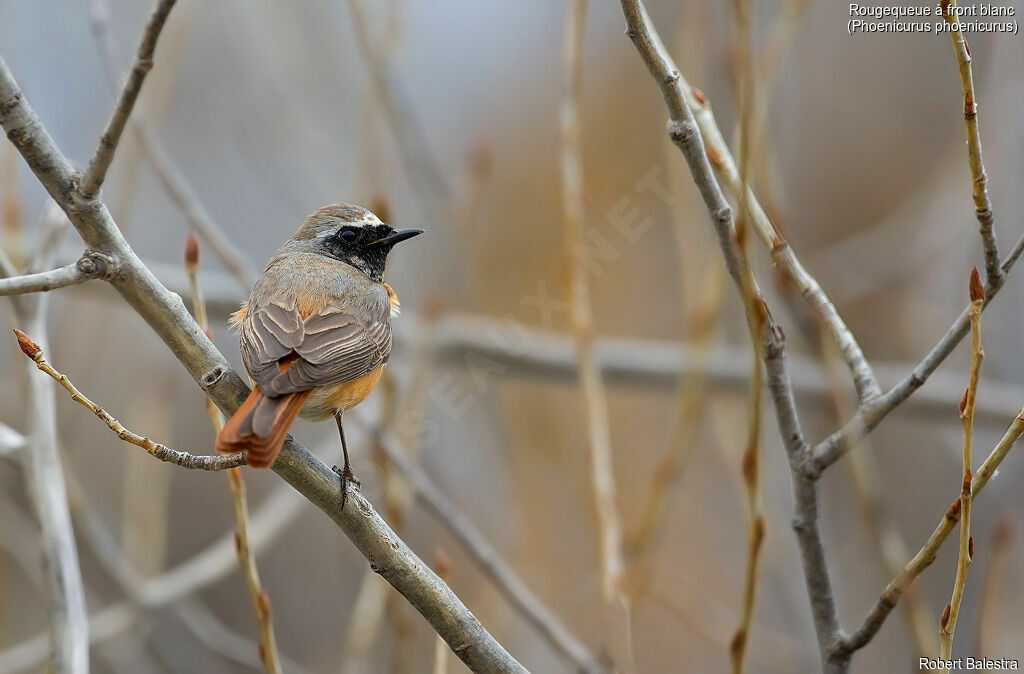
x: 396, y: 236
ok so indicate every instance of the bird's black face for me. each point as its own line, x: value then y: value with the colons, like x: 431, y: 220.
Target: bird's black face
x: 366, y: 246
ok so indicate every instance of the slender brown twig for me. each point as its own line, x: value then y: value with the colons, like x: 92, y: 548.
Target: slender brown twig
x: 756, y: 320
x: 162, y: 452
x: 602, y: 466
x: 979, y: 180
x: 246, y: 558
x: 93, y: 178
x: 949, y: 616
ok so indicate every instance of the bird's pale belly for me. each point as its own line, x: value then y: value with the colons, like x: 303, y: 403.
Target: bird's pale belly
x: 325, y: 401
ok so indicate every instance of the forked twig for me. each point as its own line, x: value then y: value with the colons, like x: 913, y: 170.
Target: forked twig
x: 94, y: 176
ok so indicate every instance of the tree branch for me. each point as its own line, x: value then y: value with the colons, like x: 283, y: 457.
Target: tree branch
x: 979, y: 181
x: 43, y: 281
x: 104, y: 154
x: 173, y: 182
x: 167, y: 316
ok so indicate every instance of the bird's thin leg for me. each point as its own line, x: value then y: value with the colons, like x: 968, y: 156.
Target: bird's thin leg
x: 346, y: 474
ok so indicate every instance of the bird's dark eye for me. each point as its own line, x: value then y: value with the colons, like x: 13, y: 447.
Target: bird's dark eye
x: 348, y: 235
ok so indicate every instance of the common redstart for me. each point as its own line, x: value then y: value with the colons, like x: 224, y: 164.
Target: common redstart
x: 315, y: 332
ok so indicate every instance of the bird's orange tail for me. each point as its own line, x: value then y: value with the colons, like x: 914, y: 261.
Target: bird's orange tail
x: 259, y: 426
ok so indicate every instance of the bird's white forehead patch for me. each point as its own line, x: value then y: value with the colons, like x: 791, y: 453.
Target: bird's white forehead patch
x: 368, y: 219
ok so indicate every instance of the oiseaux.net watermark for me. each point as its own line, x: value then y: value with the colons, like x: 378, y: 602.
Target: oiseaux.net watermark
x: 941, y: 18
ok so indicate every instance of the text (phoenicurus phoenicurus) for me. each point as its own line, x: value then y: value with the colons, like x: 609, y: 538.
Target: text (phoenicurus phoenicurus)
x: 315, y: 332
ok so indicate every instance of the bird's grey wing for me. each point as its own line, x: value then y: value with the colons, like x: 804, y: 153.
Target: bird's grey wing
x: 336, y: 347
x: 267, y: 335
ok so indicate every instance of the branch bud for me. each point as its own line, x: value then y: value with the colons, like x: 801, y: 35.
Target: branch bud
x: 945, y: 617
x: 191, y: 253
x: 28, y: 347
x: 977, y: 290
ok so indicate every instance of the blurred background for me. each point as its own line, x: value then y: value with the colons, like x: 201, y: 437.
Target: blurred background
x: 446, y: 115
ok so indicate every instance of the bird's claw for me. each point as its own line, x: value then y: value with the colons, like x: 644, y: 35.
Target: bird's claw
x: 347, y: 478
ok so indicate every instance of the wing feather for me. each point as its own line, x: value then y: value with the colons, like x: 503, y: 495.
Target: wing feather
x: 329, y: 347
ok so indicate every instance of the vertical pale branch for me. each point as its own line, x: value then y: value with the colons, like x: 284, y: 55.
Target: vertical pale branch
x: 952, y: 611
x: 979, y: 180
x: 755, y: 322
x: 44, y: 477
x: 246, y: 557
x: 100, y: 162
x: 601, y: 460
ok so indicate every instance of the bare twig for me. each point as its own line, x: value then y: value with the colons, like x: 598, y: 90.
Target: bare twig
x: 93, y: 178
x: 172, y: 180
x: 949, y: 616
x: 602, y: 467
x: 167, y: 316
x: 162, y: 452
x: 43, y: 281
x: 756, y: 322
x: 979, y: 181
x: 246, y: 558
x: 926, y: 555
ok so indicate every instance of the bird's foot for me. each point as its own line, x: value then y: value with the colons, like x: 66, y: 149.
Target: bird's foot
x: 347, y: 478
